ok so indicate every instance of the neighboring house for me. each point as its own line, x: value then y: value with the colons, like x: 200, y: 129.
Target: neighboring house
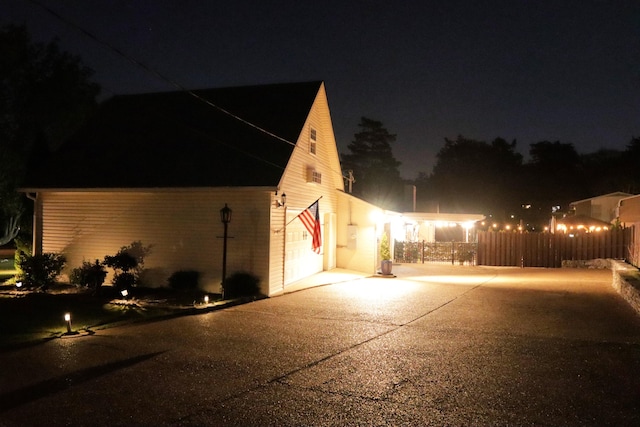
x: 603, y: 208
x: 629, y: 211
x: 157, y: 168
x: 629, y: 216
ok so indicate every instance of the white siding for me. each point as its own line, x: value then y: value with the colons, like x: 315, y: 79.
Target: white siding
x: 182, y: 227
x: 360, y: 255
x: 300, y: 260
x: 629, y: 211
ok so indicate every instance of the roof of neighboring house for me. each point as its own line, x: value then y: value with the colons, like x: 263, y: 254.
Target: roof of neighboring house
x: 619, y: 194
x: 584, y: 220
x: 175, y: 139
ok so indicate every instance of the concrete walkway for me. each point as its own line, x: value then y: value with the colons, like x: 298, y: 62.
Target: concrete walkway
x: 437, y: 345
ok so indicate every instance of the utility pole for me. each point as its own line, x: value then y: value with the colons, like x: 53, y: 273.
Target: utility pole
x: 351, y: 180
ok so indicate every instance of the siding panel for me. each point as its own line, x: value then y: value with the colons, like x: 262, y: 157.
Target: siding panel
x: 182, y: 228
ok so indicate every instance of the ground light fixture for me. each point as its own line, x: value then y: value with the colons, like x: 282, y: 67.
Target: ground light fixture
x: 206, y: 299
x: 124, y: 293
x: 67, y: 318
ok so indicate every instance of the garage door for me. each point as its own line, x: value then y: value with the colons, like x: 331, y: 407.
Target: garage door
x: 300, y: 260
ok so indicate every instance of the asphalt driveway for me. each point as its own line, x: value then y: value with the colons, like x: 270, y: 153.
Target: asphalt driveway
x: 437, y: 345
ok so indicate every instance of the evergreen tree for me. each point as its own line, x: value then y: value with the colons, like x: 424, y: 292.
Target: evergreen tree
x: 375, y: 169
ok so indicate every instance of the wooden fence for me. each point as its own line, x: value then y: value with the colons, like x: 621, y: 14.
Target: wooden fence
x: 549, y: 250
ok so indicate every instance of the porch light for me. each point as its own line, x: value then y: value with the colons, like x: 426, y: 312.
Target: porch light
x: 282, y: 201
x: 67, y: 318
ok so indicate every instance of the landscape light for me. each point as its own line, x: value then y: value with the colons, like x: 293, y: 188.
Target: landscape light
x: 18, y: 285
x: 206, y: 299
x: 67, y: 318
x: 124, y: 293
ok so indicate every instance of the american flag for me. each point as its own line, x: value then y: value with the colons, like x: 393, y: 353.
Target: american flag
x: 310, y: 217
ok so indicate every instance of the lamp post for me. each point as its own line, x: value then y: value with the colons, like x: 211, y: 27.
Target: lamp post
x: 225, y: 218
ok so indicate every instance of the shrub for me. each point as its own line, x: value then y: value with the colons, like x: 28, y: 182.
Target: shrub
x: 40, y: 271
x: 385, y: 252
x: 241, y: 284
x: 89, y: 275
x: 127, y: 264
x: 184, y: 280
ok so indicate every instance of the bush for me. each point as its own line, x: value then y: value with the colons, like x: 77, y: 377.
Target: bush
x: 89, y: 275
x: 241, y: 284
x: 184, y: 280
x: 40, y: 271
x: 127, y: 264
x: 385, y: 252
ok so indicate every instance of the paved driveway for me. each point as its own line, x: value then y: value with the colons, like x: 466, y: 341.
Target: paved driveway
x: 434, y: 346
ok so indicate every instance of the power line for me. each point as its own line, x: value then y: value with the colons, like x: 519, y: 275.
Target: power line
x: 165, y: 78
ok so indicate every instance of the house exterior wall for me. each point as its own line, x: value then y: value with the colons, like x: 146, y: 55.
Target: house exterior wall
x: 182, y: 227
x: 357, y: 234
x: 602, y: 207
x: 629, y: 211
x: 288, y: 233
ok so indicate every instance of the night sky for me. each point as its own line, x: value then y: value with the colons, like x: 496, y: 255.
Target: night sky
x: 525, y: 70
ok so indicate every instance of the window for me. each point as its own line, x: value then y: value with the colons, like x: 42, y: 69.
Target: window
x: 312, y: 141
x: 313, y: 175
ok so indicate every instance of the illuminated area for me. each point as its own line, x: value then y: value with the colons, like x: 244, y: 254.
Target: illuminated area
x: 377, y: 289
x: 580, y: 224
x: 433, y: 227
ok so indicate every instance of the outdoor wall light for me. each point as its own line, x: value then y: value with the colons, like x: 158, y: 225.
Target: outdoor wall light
x: 282, y: 201
x: 124, y: 293
x: 67, y: 318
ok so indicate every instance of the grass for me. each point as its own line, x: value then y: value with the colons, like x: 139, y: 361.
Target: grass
x: 30, y: 317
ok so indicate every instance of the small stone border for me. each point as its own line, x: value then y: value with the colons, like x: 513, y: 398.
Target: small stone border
x: 626, y: 289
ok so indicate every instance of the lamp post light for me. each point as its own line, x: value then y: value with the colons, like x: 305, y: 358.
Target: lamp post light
x: 225, y: 218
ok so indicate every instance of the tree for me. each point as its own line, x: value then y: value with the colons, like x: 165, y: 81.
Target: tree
x: 474, y: 176
x: 555, y: 175
x: 375, y: 169
x: 45, y: 94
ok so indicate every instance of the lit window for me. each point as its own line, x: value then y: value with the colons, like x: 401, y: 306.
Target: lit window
x: 312, y: 141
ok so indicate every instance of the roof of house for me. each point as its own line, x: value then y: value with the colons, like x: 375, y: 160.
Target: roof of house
x: 175, y: 139
x: 582, y: 220
x: 619, y: 194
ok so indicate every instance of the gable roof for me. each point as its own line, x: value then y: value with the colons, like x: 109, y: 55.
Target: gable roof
x: 174, y: 139
x: 618, y: 194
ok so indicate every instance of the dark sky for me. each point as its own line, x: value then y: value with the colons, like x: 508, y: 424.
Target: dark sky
x: 518, y: 69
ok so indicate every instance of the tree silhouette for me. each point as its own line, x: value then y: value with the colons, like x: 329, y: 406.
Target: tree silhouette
x: 474, y: 176
x: 44, y: 95
x: 377, y: 178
